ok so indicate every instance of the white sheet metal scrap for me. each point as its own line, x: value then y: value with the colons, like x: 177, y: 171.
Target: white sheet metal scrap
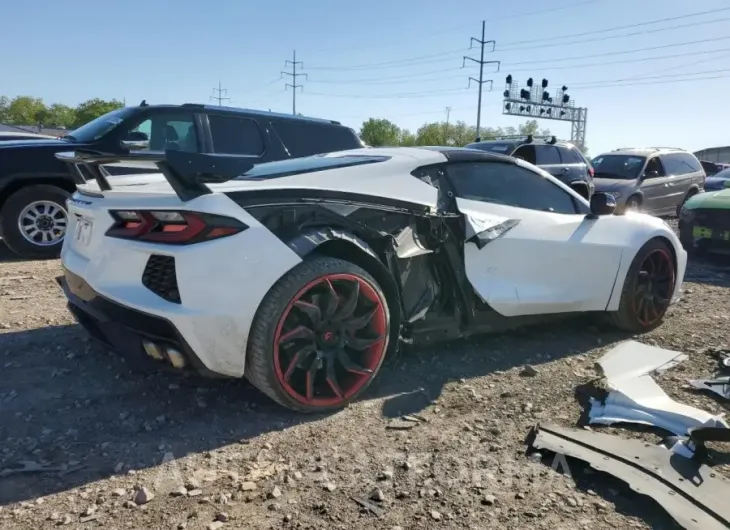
x: 635, y: 397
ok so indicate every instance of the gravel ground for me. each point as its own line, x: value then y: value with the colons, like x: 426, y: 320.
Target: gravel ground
x: 124, y: 449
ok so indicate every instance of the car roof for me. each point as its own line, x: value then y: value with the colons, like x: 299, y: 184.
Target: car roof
x: 262, y: 113
x: 645, y: 151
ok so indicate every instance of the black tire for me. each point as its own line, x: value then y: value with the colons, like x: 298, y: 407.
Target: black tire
x: 626, y: 318
x: 686, y: 198
x: 13, y: 208
x: 633, y: 203
x: 261, y: 369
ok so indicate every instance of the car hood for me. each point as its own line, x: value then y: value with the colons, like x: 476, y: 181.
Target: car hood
x: 604, y: 184
x: 710, y: 199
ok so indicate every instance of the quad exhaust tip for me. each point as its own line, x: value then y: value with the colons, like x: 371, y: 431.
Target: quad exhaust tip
x: 176, y: 358
x: 159, y: 353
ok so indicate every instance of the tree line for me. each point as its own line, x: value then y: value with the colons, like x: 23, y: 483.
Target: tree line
x: 378, y: 132
x: 27, y: 110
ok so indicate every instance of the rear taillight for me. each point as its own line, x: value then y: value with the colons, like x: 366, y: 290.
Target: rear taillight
x: 171, y: 226
x: 591, y: 171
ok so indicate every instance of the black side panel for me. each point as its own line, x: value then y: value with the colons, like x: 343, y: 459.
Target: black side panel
x: 292, y: 196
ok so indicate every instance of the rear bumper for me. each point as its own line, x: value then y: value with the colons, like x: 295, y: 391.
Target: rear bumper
x: 124, y: 329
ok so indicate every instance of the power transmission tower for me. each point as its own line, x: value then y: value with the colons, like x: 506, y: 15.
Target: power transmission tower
x: 293, y: 85
x: 481, y: 62
x: 220, y: 92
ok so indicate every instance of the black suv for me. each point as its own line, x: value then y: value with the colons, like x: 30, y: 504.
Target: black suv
x: 34, y: 184
x: 562, y: 160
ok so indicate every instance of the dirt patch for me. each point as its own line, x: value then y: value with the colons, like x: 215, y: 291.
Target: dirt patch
x: 436, y: 443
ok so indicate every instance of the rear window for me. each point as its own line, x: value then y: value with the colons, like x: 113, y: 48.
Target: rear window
x: 312, y: 164
x: 570, y: 156
x: 306, y: 138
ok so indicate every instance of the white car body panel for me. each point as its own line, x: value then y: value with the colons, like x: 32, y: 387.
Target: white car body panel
x: 221, y: 295
x: 547, y: 263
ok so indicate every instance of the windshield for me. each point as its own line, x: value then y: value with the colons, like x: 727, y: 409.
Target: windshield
x: 505, y: 149
x: 724, y: 174
x: 618, y: 166
x: 97, y: 128
x: 310, y: 164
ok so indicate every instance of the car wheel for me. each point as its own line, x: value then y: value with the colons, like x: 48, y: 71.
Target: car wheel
x: 34, y: 221
x: 319, y: 337
x: 647, y: 290
x: 687, y: 197
x: 633, y: 204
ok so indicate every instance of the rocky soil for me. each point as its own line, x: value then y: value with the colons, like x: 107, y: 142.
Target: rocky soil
x: 436, y: 443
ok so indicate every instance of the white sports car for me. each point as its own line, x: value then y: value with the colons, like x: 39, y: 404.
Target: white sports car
x: 301, y: 275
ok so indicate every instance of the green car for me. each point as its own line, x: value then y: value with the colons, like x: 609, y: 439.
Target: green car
x: 704, y: 222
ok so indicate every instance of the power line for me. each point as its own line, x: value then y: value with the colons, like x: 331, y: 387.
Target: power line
x: 390, y: 96
x: 420, y: 62
x: 401, y: 79
x: 624, y: 61
x: 427, y: 59
x: 481, y: 62
x: 220, y: 96
x: 659, y: 82
x: 609, y: 54
x: 380, y: 80
x: 430, y: 34
x: 623, y: 26
x: 294, y: 76
x: 641, y: 32
x: 368, y: 66
x: 588, y: 84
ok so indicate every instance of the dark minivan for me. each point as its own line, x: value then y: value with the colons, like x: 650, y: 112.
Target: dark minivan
x: 34, y: 184
x: 562, y: 160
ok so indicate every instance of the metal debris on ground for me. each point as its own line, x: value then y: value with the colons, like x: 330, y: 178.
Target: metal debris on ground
x: 635, y: 397
x: 720, y: 385
x: 686, y: 488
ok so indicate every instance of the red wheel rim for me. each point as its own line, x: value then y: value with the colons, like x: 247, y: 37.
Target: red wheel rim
x: 654, y: 287
x: 330, y: 340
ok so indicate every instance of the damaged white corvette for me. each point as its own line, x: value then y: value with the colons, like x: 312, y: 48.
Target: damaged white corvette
x: 300, y: 275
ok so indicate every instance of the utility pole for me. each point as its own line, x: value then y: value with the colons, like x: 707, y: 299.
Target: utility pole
x: 448, y: 113
x: 220, y: 92
x: 294, y: 76
x: 481, y: 62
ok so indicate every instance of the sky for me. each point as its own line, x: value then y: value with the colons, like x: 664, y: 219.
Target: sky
x: 398, y: 59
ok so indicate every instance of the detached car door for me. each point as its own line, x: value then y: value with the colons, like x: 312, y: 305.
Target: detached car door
x: 530, y: 249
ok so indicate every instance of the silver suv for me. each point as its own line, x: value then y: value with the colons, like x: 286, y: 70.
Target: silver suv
x: 656, y: 180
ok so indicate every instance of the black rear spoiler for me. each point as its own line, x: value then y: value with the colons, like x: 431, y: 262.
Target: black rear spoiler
x: 187, y: 173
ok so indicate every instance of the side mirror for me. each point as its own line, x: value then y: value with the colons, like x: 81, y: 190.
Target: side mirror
x: 602, y: 204
x: 651, y: 174
x: 135, y: 141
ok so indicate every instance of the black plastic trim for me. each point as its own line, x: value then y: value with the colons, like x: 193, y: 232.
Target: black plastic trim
x: 270, y: 197
x: 120, y: 327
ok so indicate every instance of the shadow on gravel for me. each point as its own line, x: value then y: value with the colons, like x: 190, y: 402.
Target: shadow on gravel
x: 709, y: 269
x: 420, y: 374
x: 66, y: 401
x: 7, y: 255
